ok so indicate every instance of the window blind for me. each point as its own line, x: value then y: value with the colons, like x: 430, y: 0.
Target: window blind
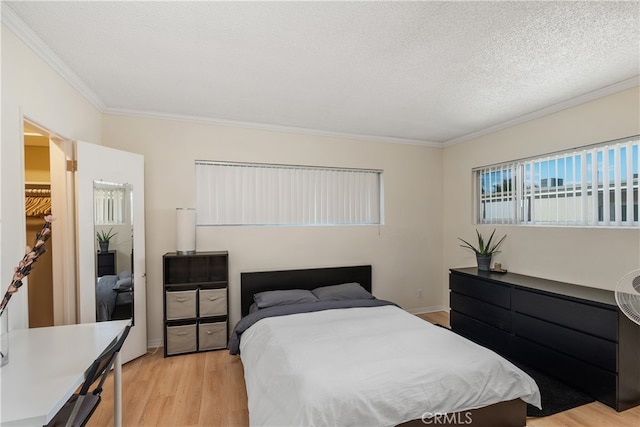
x: 109, y: 205
x: 262, y: 194
x: 497, y: 194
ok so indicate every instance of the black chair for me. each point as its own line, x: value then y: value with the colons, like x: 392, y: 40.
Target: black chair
x: 79, y: 408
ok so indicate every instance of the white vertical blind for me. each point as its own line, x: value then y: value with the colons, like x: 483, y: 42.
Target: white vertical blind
x: 260, y: 194
x: 498, y: 201
x: 604, y: 166
x: 109, y: 205
x: 584, y: 187
x: 617, y: 196
x: 631, y: 184
x: 596, y: 186
x: 593, y: 185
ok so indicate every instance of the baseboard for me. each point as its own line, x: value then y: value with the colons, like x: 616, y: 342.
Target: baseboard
x: 424, y: 310
x: 155, y: 344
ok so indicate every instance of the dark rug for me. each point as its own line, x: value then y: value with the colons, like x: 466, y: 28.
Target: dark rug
x: 556, y: 395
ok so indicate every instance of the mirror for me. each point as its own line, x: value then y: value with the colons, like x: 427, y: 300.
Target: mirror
x: 113, y: 231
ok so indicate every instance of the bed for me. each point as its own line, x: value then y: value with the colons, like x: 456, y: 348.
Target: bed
x: 114, y: 296
x: 351, y: 359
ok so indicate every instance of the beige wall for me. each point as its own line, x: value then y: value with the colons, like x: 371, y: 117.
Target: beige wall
x: 36, y: 165
x: 595, y: 257
x: 31, y: 89
x: 405, y: 252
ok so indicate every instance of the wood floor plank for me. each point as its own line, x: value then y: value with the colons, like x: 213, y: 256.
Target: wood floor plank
x: 208, y: 389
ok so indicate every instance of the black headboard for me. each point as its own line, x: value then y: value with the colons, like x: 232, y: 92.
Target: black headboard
x: 310, y: 278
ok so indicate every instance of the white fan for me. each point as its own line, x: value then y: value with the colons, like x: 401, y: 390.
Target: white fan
x: 628, y: 295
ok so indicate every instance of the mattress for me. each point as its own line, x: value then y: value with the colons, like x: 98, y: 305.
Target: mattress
x: 374, y: 366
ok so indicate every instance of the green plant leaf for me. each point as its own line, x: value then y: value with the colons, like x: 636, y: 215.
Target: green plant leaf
x: 467, y: 245
x: 105, y: 236
x: 481, y: 246
x: 488, y: 247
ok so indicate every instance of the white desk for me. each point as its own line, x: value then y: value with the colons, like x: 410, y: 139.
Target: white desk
x: 46, y: 366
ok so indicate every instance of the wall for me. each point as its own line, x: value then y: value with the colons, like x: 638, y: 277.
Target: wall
x: 31, y: 89
x: 36, y: 164
x: 405, y: 252
x: 595, y: 257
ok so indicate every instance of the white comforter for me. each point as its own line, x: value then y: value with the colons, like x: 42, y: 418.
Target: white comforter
x: 373, y: 366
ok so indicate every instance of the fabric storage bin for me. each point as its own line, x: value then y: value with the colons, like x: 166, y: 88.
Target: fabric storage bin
x: 181, y: 304
x: 213, y: 335
x: 213, y: 302
x: 181, y: 339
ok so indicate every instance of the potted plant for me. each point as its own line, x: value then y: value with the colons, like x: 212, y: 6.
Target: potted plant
x: 104, y: 238
x: 484, y: 250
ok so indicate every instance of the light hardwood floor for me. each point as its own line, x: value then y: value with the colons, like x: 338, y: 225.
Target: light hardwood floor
x: 207, y: 389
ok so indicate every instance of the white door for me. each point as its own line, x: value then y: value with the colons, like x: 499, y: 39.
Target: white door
x: 100, y: 166
x: 63, y: 247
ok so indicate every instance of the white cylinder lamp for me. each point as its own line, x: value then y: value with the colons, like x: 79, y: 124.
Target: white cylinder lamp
x: 185, y: 231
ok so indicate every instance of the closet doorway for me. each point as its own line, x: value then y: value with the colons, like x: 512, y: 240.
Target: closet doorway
x: 50, y: 286
x: 37, y: 200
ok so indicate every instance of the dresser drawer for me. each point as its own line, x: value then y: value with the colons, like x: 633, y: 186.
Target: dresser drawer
x: 212, y: 336
x: 582, y: 317
x: 597, y: 382
x: 483, y: 290
x: 181, y: 339
x: 213, y: 302
x: 480, y: 333
x: 588, y: 348
x: 487, y: 313
x: 181, y: 304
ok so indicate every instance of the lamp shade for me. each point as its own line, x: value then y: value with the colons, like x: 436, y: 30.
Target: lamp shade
x: 185, y: 231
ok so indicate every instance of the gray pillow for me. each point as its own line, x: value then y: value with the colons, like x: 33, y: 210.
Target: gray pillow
x: 345, y: 291
x: 291, y: 296
x: 124, y: 284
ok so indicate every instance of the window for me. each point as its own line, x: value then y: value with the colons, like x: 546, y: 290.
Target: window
x: 262, y: 194
x: 594, y: 186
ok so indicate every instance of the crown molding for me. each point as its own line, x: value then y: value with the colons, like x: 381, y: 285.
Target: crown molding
x: 13, y: 22
x: 268, y: 127
x: 573, y: 102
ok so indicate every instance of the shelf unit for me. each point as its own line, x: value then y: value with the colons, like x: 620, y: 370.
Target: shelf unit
x: 196, y: 303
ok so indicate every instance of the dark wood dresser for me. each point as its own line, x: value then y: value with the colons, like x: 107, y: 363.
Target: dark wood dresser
x: 574, y: 333
x: 106, y: 262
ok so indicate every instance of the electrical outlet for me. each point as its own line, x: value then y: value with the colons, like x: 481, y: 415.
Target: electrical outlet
x: 419, y: 293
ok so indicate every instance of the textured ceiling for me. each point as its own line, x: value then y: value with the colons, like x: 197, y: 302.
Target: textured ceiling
x: 434, y: 72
